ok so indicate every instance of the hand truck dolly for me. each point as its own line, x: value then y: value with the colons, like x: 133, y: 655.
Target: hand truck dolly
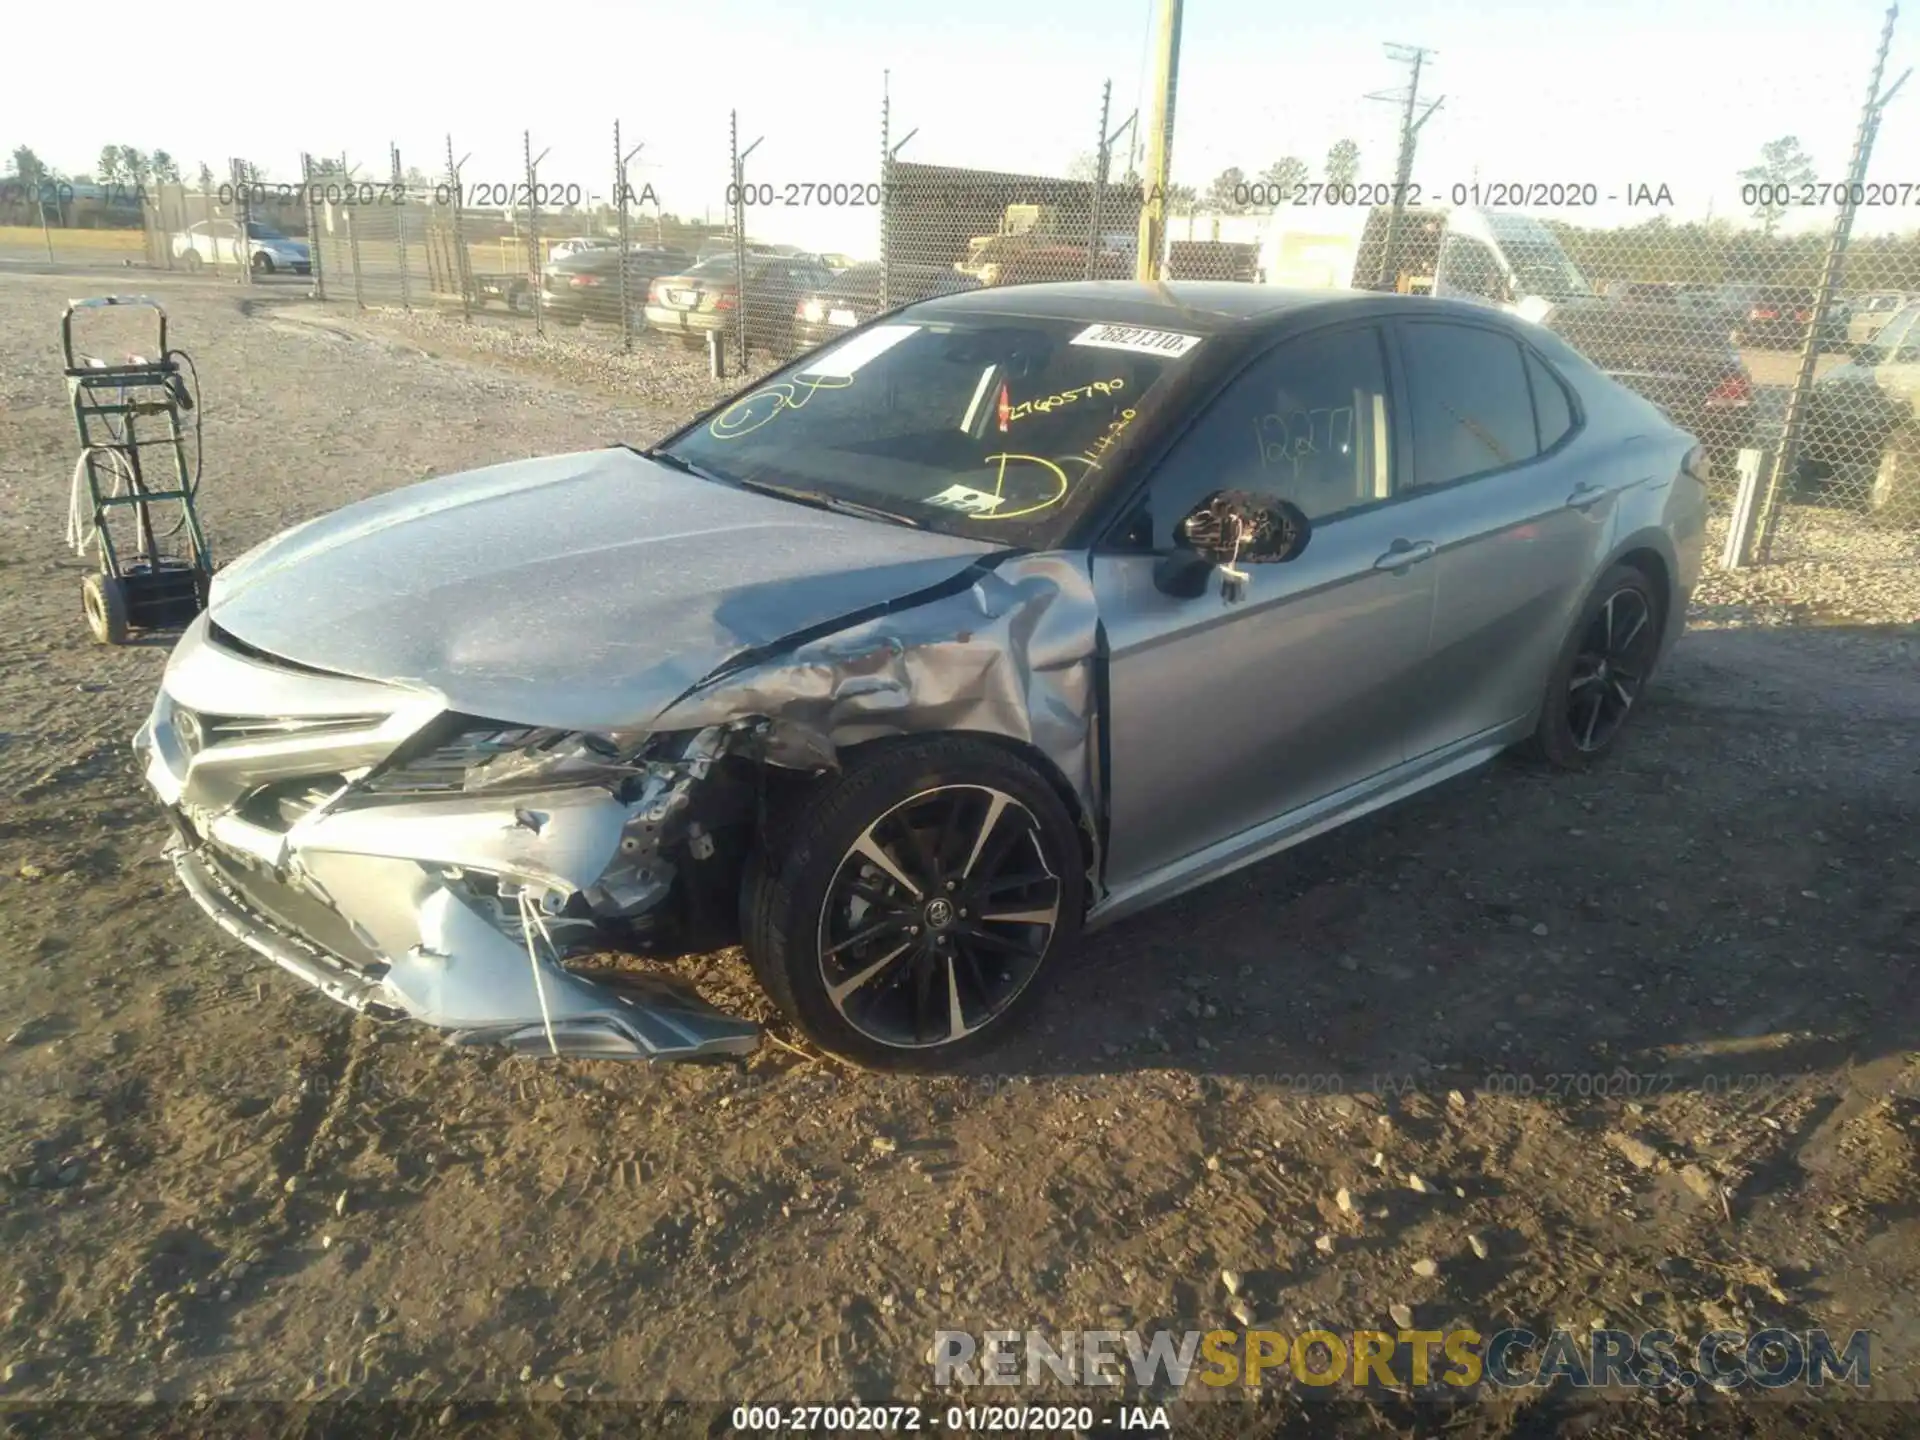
x: 146, y: 581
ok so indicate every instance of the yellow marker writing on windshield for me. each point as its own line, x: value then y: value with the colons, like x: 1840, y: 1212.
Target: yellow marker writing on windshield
x: 1000, y: 485
x: 740, y: 419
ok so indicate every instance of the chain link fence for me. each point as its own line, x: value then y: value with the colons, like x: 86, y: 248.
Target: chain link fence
x: 1788, y: 326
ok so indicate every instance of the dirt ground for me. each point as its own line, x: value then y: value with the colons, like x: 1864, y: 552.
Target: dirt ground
x: 1635, y: 1047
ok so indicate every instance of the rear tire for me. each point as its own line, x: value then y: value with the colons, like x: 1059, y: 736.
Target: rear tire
x: 193, y: 262
x: 905, y: 910
x: 104, y: 599
x: 1895, y: 497
x: 263, y: 265
x: 1602, y: 671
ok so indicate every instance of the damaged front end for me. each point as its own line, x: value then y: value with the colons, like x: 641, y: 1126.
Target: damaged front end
x: 411, y: 862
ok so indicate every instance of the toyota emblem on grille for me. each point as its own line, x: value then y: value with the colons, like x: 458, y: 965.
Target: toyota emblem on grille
x: 186, y: 725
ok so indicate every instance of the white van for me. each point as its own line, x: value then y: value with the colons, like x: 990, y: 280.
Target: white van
x: 1491, y: 256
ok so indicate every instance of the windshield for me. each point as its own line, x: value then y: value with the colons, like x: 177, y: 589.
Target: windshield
x: 1543, y: 269
x: 988, y: 426
x: 263, y: 232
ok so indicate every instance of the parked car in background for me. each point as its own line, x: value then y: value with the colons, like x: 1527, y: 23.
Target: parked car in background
x: 586, y: 285
x: 579, y: 245
x: 1682, y: 360
x: 1778, y: 316
x: 1871, y: 312
x: 827, y: 674
x: 219, y: 242
x: 1861, y: 442
x: 707, y: 298
x: 853, y: 298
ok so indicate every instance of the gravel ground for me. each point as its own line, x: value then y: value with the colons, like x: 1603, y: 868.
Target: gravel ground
x: 1632, y: 1047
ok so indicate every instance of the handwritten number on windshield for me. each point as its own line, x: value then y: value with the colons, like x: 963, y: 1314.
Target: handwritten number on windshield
x: 1049, y: 403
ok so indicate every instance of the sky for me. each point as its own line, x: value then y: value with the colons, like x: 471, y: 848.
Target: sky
x: 1680, y: 93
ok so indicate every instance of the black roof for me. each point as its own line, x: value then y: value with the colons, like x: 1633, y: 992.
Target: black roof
x: 1202, y: 307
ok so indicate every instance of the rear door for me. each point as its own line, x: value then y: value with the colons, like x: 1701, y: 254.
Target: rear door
x: 1520, y: 516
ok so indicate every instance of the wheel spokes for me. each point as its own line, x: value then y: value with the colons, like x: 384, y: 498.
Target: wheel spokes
x: 950, y: 868
x: 869, y: 849
x: 839, y: 993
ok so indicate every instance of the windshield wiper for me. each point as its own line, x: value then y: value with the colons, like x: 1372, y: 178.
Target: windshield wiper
x: 685, y: 467
x: 815, y: 498
x: 819, y: 500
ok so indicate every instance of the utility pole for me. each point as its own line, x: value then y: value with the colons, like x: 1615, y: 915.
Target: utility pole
x: 1403, y: 173
x: 1153, y: 213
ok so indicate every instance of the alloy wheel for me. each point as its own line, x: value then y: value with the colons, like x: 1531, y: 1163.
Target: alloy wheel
x: 938, y: 916
x: 1610, y: 669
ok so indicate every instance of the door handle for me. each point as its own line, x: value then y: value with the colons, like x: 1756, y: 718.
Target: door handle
x: 1585, y: 496
x: 1404, y: 553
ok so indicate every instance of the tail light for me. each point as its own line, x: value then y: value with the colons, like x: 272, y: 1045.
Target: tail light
x: 1733, y: 391
x: 657, y: 293
x: 723, y: 302
x: 1696, y: 464
x: 1803, y: 316
x: 585, y: 280
x: 1761, y: 313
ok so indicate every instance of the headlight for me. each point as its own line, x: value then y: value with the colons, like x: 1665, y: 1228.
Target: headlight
x: 815, y: 312
x: 463, y: 756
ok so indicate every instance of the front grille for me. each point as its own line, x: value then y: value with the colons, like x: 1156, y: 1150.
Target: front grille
x: 219, y: 729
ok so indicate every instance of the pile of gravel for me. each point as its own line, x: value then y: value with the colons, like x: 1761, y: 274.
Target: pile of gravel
x: 1829, y: 567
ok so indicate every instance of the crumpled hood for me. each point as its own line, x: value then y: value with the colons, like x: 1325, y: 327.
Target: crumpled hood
x: 581, y: 591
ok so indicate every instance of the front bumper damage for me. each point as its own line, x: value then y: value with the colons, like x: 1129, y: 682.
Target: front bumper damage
x: 473, y: 910
x: 457, y: 911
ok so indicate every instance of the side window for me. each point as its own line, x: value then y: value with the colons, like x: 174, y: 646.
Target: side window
x: 1472, y: 411
x: 1307, y: 422
x: 1551, y: 408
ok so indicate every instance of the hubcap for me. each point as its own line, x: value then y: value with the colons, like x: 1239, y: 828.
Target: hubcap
x: 938, y: 916
x: 1610, y: 669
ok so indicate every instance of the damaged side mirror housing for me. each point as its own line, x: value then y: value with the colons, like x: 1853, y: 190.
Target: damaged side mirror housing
x: 1231, y: 527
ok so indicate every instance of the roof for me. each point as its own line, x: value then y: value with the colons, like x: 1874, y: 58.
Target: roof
x: 1205, y: 306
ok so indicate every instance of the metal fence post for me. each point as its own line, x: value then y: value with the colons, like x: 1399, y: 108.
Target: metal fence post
x: 46, y: 231
x: 739, y: 228
x: 206, y: 213
x: 313, y: 227
x: 400, y: 229
x: 353, y: 252
x: 621, y: 195
x: 243, y: 248
x: 1099, y: 179
x: 886, y: 193
x: 1786, y: 459
x: 462, y: 266
x: 535, y: 270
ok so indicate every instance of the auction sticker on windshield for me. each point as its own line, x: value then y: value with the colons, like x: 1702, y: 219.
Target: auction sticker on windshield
x: 848, y: 356
x: 1131, y: 337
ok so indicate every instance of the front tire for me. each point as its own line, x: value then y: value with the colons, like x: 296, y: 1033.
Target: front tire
x: 1602, y: 671
x: 263, y: 264
x: 910, y: 908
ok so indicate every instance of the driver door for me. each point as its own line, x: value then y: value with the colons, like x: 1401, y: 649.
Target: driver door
x: 1225, y: 713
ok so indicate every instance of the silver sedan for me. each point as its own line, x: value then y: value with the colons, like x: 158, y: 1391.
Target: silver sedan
x: 996, y: 620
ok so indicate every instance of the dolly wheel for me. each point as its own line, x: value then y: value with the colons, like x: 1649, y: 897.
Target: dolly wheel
x: 105, y: 598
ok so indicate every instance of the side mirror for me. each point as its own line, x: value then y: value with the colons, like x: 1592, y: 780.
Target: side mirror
x: 1228, y: 528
